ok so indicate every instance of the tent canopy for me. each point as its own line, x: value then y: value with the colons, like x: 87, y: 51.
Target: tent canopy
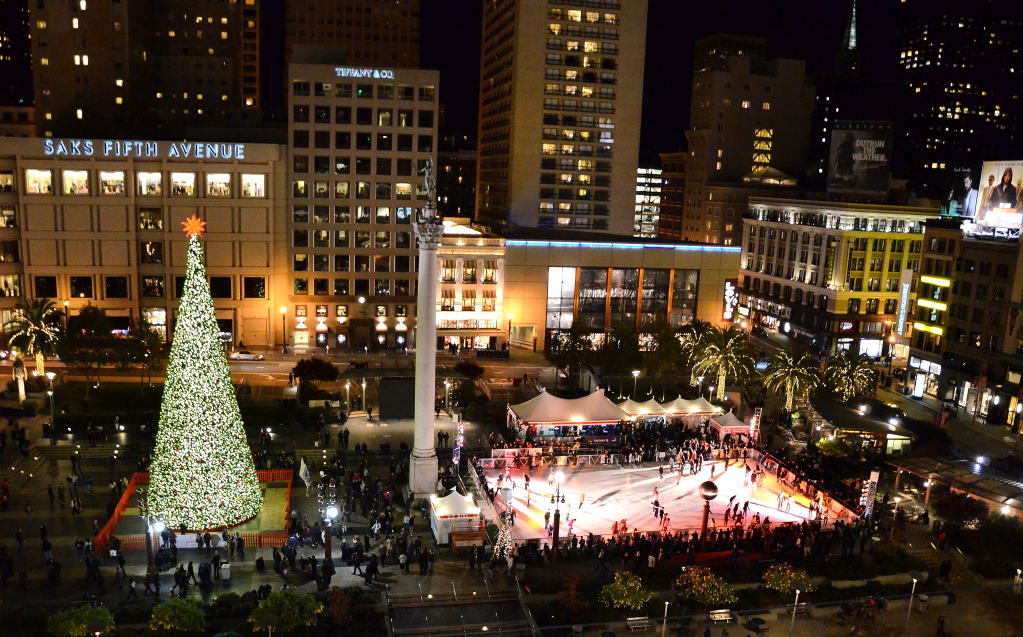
x: 729, y: 424
x: 648, y: 408
x: 454, y: 504
x: 546, y: 408
x: 684, y: 407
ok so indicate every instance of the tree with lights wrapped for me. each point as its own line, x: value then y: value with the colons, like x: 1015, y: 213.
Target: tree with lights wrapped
x: 202, y: 474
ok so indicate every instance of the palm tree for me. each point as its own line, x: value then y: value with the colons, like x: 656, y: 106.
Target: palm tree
x: 794, y: 371
x: 34, y: 329
x: 690, y: 337
x: 726, y: 352
x: 850, y: 375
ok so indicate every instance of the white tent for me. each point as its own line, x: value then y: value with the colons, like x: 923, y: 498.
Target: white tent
x: 452, y: 513
x: 729, y: 424
x: 548, y: 409
x: 684, y: 407
x: 648, y: 408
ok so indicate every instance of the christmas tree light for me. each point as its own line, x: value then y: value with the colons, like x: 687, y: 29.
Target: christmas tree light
x: 202, y: 474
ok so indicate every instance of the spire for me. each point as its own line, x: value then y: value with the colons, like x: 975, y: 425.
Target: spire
x: 849, y: 55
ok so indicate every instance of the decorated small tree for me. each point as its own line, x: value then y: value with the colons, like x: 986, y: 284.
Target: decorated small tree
x: 83, y: 621
x: 285, y: 611
x: 627, y: 591
x: 785, y: 578
x: 178, y: 616
x: 701, y: 586
x: 202, y: 474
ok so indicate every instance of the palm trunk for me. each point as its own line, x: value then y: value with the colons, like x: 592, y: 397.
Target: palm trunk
x: 21, y: 389
x: 721, y: 383
x: 40, y: 364
x: 788, y: 396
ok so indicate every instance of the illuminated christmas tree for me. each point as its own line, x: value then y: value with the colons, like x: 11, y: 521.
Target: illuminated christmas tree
x: 202, y: 473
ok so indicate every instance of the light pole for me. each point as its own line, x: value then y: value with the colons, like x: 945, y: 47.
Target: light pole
x: 664, y: 627
x: 156, y: 527
x: 700, y: 386
x: 710, y: 394
x: 364, y: 396
x: 66, y: 304
x: 329, y: 515
x: 284, y: 327
x: 792, y: 622
x: 447, y: 396
x: 348, y: 398
x: 53, y: 415
x: 909, y: 607
x: 708, y: 491
x: 557, y: 500
x: 635, y: 377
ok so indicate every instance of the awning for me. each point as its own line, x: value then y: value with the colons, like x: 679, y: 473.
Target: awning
x: 729, y: 424
x: 546, y: 408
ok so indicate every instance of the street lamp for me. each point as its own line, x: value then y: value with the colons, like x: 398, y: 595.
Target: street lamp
x: 66, y: 304
x: 708, y: 491
x: 156, y: 527
x: 284, y: 325
x: 699, y: 379
x: 364, y: 396
x: 329, y: 515
x: 795, y: 605
x: 635, y: 376
x: 510, y: 317
x: 447, y: 395
x: 909, y: 608
x: 557, y: 500
x: 53, y: 415
x: 348, y: 398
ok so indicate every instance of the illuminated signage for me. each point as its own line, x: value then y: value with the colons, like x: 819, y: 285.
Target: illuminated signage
x: 933, y: 329
x: 731, y: 299
x: 905, y: 286
x: 933, y: 280
x: 934, y: 305
x: 869, y: 494
x: 376, y: 74
x: 141, y: 149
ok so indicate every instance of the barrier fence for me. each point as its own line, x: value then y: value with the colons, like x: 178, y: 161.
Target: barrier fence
x: 101, y: 542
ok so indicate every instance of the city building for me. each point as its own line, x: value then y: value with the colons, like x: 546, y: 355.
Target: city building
x: 98, y: 222
x: 832, y: 275
x: 561, y: 88
x: 749, y: 126
x: 648, y: 202
x: 456, y: 177
x: 367, y: 32
x: 144, y: 69
x: 967, y: 345
x: 954, y: 58
x: 673, y: 185
x: 17, y: 121
x: 15, y: 54
x: 360, y: 142
x: 470, y: 303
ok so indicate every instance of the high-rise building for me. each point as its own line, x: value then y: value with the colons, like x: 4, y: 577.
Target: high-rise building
x: 366, y: 32
x: 456, y: 177
x: 648, y: 202
x: 150, y: 69
x: 359, y: 144
x: 673, y: 184
x: 15, y: 54
x: 561, y: 87
x: 959, y: 62
x: 749, y: 124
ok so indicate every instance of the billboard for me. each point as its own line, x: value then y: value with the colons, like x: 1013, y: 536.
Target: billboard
x: 860, y: 158
x: 999, y: 196
x: 959, y: 196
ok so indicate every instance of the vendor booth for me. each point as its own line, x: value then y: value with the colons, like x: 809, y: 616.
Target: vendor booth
x: 547, y: 416
x: 729, y: 424
x: 691, y: 412
x: 455, y: 517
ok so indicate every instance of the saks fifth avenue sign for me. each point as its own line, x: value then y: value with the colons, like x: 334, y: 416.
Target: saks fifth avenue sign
x: 140, y: 149
x: 375, y: 74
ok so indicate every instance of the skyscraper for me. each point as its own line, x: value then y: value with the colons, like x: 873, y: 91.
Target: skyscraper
x: 368, y: 32
x: 962, y: 63
x: 648, y: 202
x: 561, y: 87
x: 15, y: 54
x: 673, y: 186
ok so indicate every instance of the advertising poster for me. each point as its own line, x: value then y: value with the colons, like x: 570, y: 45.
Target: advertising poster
x: 999, y: 196
x: 860, y: 158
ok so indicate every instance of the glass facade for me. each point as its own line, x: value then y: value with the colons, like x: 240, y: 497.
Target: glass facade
x: 560, y: 297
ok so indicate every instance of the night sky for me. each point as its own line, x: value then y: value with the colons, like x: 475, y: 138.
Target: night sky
x: 805, y: 29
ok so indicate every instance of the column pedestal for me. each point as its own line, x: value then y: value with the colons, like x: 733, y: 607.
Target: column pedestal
x: 422, y: 477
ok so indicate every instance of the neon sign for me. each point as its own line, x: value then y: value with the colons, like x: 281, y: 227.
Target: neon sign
x: 376, y: 74
x: 144, y: 149
x: 731, y: 300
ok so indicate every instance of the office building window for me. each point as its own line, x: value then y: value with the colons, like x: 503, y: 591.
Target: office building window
x: 8, y: 217
x: 151, y: 252
x: 383, y: 287
x: 684, y: 297
x: 300, y: 286
x: 341, y: 288
x: 115, y: 287
x: 300, y: 262
x: 560, y: 297
x: 183, y: 184
x: 254, y: 287
x: 38, y: 182
x: 81, y: 287
x: 624, y: 291
x: 220, y: 287
x: 111, y: 182
x: 9, y: 252
x: 46, y: 287
x: 6, y: 181
x: 592, y: 297
x: 148, y: 184
x: 152, y: 287
x: 300, y: 214
x: 76, y: 182
x: 253, y: 186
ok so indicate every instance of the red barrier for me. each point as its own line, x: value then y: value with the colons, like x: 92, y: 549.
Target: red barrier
x: 102, y: 539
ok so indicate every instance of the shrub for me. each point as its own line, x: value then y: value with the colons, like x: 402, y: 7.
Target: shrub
x: 960, y: 509
x: 698, y: 584
x: 285, y: 611
x: 315, y: 369
x: 178, y: 615
x: 83, y: 621
x: 785, y: 578
x: 627, y: 591
x: 469, y: 369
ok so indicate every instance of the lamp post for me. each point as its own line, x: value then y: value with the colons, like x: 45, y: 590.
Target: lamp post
x: 66, y: 304
x: 284, y: 326
x: 792, y: 622
x: 510, y: 317
x: 557, y: 500
x: 156, y: 527
x: 329, y: 515
x: 699, y: 379
x: 348, y: 397
x: 708, y: 491
x: 664, y: 626
x: 447, y: 396
x: 53, y: 415
x: 909, y: 607
x: 635, y: 376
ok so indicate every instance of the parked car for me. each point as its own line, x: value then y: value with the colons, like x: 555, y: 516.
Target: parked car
x: 245, y: 355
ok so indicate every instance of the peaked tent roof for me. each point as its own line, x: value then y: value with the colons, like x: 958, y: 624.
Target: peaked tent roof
x: 547, y: 408
x: 730, y: 423
x: 454, y: 503
x: 647, y: 408
x: 695, y: 406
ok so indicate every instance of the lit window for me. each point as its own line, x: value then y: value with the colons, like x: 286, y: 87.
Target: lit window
x: 38, y: 182
x: 766, y: 106
x: 223, y: 35
x: 79, y: 113
x: 218, y: 185
x: 118, y: 100
x: 76, y: 182
x: 183, y: 184
x: 248, y: 101
x: 148, y: 184
x: 171, y: 34
x: 85, y: 60
x: 74, y: 23
x: 745, y: 103
x: 44, y: 61
x: 40, y: 24
x: 254, y: 186
x: 78, y: 60
x: 111, y: 182
x: 118, y: 82
x: 81, y: 4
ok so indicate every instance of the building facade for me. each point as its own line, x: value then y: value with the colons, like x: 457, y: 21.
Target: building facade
x: 648, y: 202
x: 360, y: 141
x: 673, y: 184
x: 831, y: 275
x: 561, y: 87
x: 98, y: 222
x: 368, y: 32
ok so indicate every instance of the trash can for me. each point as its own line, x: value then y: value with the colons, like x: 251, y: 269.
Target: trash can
x: 225, y: 571
x: 921, y: 603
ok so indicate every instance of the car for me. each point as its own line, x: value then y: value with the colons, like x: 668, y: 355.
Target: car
x: 245, y: 355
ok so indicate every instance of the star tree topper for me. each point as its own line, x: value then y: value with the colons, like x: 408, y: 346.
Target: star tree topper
x: 193, y: 226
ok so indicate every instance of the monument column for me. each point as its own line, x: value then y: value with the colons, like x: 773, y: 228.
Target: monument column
x: 423, y: 463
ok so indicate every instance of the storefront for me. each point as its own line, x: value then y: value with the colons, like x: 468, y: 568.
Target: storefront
x: 924, y: 377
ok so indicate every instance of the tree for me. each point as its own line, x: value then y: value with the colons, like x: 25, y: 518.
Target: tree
x: 960, y: 509
x: 469, y: 369
x: 83, y: 621
x: 667, y: 356
x: 850, y: 376
x: 90, y: 320
x: 285, y: 611
x: 202, y: 475
x: 620, y: 353
x: 785, y: 578
x: 311, y: 369
x: 794, y: 372
x: 178, y: 615
x: 33, y: 329
x: 626, y: 591
x: 571, y: 350
x: 701, y: 586
x: 727, y: 353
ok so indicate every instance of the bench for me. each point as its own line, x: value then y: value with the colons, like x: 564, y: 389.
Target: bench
x: 638, y: 623
x: 802, y: 608
x: 722, y: 616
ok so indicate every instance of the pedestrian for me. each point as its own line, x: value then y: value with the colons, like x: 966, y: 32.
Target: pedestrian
x: 132, y: 593
x: 49, y: 493
x: 940, y: 632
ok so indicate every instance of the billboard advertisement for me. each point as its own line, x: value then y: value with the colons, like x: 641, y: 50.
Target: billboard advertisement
x: 999, y: 196
x: 959, y: 196
x: 860, y: 158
